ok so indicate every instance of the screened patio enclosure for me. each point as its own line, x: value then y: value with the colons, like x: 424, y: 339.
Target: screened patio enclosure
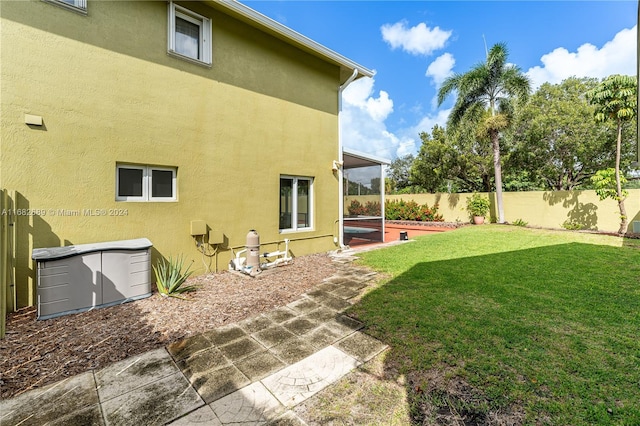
x: 363, y: 198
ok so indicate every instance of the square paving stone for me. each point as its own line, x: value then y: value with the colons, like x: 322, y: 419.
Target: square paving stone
x: 361, y: 346
x: 322, y: 337
x: 303, y: 305
x: 273, y: 335
x: 254, y: 324
x: 186, y: 347
x: 252, y: 405
x: 342, y: 327
x: 345, y: 293
x: 329, y: 300
x: 305, y: 378
x: 155, y: 403
x: 260, y: 365
x: 72, y: 398
x: 321, y: 314
x: 300, y: 326
x: 210, y: 359
x: 293, y: 350
x: 281, y: 314
x: 224, y: 335
x: 241, y: 348
x: 214, y: 384
x: 134, y: 372
x: 202, y: 416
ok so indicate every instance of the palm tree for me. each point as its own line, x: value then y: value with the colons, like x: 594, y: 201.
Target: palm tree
x: 488, y: 94
x: 616, y: 99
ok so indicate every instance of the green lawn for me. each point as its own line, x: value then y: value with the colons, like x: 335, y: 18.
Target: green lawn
x: 519, y: 325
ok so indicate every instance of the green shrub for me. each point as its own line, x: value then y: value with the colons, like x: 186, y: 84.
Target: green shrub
x: 170, y: 277
x: 410, y: 210
x: 477, y: 205
x: 519, y: 222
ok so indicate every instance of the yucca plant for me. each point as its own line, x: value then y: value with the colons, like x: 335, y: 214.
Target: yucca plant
x: 170, y: 277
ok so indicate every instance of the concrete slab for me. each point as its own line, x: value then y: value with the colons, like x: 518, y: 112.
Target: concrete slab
x: 226, y: 334
x: 293, y: 350
x: 215, y: 384
x: 158, y: 402
x: 255, y: 324
x: 132, y: 373
x: 303, y: 305
x: 251, y: 405
x: 322, y: 337
x: 321, y: 314
x: 305, y: 378
x: 202, y: 416
x: 343, y: 325
x: 281, y: 315
x: 328, y: 300
x: 73, y: 398
x: 300, y: 325
x: 272, y: 336
x: 189, y: 346
x: 241, y: 348
x: 345, y: 293
x: 210, y: 359
x: 361, y: 346
x: 260, y: 365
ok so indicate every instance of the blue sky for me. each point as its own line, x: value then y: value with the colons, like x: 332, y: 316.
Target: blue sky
x: 414, y: 45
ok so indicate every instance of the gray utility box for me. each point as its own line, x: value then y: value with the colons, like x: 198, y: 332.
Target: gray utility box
x: 82, y: 277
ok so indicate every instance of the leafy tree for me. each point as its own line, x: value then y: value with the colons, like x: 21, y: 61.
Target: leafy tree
x: 557, y: 142
x: 399, y: 172
x: 616, y: 100
x: 432, y: 166
x: 488, y: 93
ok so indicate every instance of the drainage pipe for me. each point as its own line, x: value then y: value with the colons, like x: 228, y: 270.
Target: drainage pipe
x: 341, y: 160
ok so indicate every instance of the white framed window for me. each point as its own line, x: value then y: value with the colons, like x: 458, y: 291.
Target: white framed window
x: 189, y: 34
x: 296, y: 203
x: 145, y: 183
x: 75, y: 5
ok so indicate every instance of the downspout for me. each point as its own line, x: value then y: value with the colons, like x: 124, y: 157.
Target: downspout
x: 341, y: 161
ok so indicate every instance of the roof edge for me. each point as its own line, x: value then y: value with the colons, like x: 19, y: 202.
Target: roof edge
x: 365, y: 156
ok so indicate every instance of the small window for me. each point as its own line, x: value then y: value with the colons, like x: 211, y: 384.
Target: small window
x: 189, y: 34
x: 145, y: 183
x: 75, y: 5
x: 296, y: 203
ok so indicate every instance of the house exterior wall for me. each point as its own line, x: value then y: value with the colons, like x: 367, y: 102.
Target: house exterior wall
x: 109, y: 93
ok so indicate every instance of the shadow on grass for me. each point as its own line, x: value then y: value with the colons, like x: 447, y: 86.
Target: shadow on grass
x: 538, y: 336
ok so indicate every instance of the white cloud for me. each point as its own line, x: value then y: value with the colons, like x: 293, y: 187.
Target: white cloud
x: 363, y: 116
x: 418, y: 40
x: 617, y: 56
x: 441, y: 68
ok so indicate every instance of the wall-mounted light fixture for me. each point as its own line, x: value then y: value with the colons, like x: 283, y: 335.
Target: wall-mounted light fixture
x: 337, y: 165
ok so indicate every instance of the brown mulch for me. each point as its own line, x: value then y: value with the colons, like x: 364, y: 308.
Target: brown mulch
x: 35, y: 353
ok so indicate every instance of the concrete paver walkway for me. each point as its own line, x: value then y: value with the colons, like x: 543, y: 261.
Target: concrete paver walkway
x: 248, y: 373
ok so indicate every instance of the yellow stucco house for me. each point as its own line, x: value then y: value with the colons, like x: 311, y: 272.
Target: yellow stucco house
x: 152, y: 119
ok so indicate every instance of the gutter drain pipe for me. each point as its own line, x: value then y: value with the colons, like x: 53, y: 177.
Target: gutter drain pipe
x: 341, y: 160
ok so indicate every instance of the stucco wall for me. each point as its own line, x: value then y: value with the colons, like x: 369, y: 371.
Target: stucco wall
x: 108, y: 92
x: 548, y: 209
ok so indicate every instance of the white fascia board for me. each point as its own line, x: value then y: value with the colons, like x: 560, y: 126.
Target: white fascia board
x: 291, y: 36
x: 365, y: 156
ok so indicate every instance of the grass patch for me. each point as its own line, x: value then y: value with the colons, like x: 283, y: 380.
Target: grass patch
x: 499, y: 324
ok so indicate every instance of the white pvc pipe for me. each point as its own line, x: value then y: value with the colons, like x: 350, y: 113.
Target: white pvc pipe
x: 341, y: 160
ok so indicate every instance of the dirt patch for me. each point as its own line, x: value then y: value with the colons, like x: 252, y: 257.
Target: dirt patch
x: 439, y: 396
x: 35, y: 353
